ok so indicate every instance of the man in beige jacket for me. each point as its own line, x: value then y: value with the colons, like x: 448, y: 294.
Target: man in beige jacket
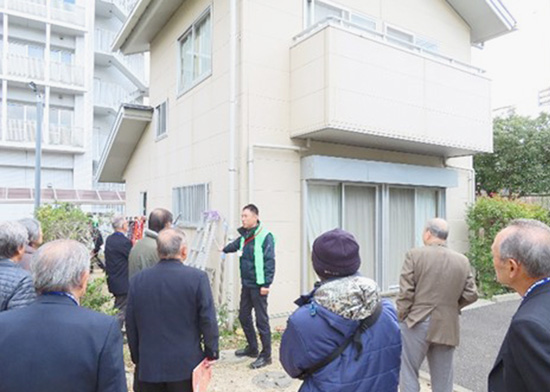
x: 435, y: 284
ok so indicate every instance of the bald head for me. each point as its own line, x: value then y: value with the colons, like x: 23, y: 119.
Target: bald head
x: 526, y: 241
x: 172, y: 244
x: 60, y: 266
x: 438, y: 228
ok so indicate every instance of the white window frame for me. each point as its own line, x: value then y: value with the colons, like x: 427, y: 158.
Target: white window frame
x: 419, y: 42
x: 191, y: 31
x: 347, y: 14
x: 161, y: 120
x: 189, y: 202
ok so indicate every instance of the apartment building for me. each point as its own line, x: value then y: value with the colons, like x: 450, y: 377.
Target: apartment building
x: 363, y: 115
x: 63, y: 46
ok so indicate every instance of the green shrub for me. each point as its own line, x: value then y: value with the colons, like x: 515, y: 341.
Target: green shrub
x: 96, y: 298
x: 485, y: 218
x: 64, y: 221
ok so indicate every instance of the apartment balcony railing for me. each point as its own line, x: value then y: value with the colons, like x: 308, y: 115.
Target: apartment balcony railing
x: 134, y: 63
x: 125, y: 5
x: 67, y: 73
x: 355, y: 86
x: 20, y: 131
x: 65, y: 136
x: 31, y: 7
x: 24, y: 131
x: 110, y: 95
x: 68, y: 13
x: 25, y: 66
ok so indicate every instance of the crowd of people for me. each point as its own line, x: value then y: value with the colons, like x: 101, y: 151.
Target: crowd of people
x: 344, y: 336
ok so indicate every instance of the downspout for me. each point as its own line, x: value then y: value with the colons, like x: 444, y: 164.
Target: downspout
x: 232, y: 171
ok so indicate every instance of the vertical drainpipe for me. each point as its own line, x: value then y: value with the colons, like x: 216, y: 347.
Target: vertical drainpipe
x: 232, y: 170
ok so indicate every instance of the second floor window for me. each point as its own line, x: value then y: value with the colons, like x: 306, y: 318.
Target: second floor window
x: 195, y: 53
x: 160, y: 120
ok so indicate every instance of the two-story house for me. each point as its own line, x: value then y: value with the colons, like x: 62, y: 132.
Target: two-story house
x: 355, y: 114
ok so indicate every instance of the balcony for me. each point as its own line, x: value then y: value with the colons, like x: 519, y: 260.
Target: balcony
x: 25, y: 66
x: 28, y: 7
x: 60, y: 135
x: 133, y: 66
x: 67, y: 74
x: 68, y: 13
x: 353, y: 86
x: 109, y: 96
x: 24, y: 132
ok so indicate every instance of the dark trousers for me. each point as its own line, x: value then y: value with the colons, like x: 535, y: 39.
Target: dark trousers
x: 251, y: 299
x: 120, y: 305
x: 177, y: 386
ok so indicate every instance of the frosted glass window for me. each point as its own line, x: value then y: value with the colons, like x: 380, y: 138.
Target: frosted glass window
x: 195, y: 53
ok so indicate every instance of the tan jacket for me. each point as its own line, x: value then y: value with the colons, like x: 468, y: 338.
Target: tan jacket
x: 437, y: 282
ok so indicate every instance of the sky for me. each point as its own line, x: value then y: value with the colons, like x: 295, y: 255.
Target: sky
x: 519, y: 63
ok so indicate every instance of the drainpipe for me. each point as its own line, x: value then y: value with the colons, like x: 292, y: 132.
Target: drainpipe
x: 232, y: 170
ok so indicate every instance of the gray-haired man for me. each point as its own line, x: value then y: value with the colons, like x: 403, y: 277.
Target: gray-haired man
x: 34, y: 231
x: 54, y: 344
x: 436, y: 282
x: 16, y: 288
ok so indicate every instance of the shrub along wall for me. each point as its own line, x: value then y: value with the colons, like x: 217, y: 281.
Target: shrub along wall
x: 485, y: 218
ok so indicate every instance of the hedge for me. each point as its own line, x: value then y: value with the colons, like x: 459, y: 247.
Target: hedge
x: 485, y: 218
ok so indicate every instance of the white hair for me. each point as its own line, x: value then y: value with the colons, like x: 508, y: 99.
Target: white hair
x: 13, y: 236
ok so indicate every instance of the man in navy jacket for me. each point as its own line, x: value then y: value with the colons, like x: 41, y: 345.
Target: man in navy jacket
x: 54, y: 344
x: 170, y: 318
x: 117, y: 250
x: 521, y: 257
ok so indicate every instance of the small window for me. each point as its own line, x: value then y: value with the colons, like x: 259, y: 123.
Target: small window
x: 189, y: 203
x: 160, y: 120
x: 427, y: 44
x: 195, y: 54
x: 363, y: 21
x: 400, y: 37
x: 143, y: 203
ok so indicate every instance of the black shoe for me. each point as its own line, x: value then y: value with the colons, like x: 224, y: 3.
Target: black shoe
x: 260, y: 362
x: 246, y: 352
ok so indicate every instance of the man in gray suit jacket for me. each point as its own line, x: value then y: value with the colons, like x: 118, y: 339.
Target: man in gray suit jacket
x: 435, y: 284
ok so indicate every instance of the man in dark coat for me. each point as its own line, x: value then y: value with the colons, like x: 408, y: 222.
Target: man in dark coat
x: 170, y: 319
x: 521, y: 257
x: 256, y: 249
x: 117, y: 250
x: 54, y: 344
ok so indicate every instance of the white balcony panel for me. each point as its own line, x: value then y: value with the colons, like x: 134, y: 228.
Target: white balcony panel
x: 20, y: 131
x: 68, y: 13
x: 31, y: 7
x: 25, y: 66
x: 359, y: 89
x: 69, y: 74
x: 110, y: 95
x: 66, y: 136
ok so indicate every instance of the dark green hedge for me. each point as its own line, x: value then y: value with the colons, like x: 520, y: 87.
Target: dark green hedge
x: 485, y: 219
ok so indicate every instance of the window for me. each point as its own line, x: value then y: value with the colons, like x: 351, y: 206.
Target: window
x: 320, y: 10
x: 61, y: 56
x: 189, y: 203
x: 143, y: 203
x: 386, y: 221
x: 195, y: 53
x: 61, y: 126
x: 160, y: 120
x: 409, y: 40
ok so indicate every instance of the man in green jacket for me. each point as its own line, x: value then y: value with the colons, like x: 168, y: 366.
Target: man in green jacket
x: 256, y: 250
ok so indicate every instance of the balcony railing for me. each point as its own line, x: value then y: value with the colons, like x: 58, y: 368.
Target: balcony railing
x: 110, y: 95
x: 66, y: 136
x: 25, y: 66
x: 66, y: 73
x: 68, y: 13
x: 134, y: 63
x: 20, y: 131
x: 31, y: 7
x: 125, y: 5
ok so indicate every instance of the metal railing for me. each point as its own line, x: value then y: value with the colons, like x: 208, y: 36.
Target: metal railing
x: 366, y: 32
x: 31, y: 7
x: 110, y: 95
x: 67, y: 73
x: 22, y: 131
x: 60, y: 135
x: 68, y: 13
x: 135, y: 63
x: 25, y: 66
